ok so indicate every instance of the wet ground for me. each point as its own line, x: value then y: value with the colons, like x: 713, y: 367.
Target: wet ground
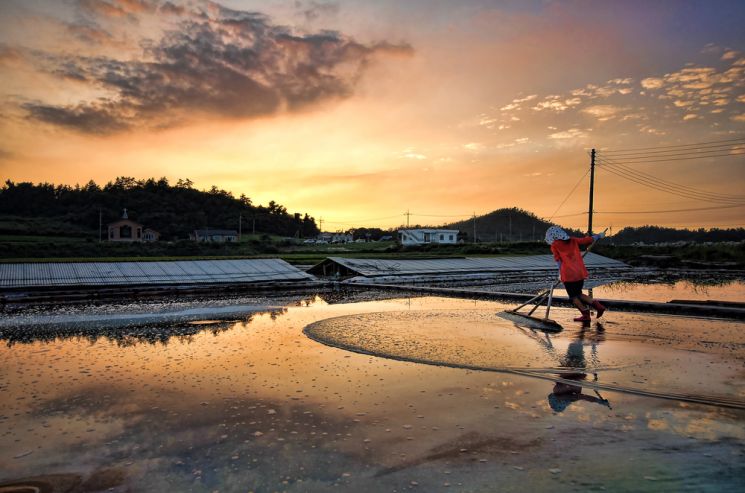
x: 634, y: 284
x: 400, y: 394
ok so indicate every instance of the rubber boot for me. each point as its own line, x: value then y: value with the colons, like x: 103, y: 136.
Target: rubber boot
x: 599, y: 308
x: 585, y: 316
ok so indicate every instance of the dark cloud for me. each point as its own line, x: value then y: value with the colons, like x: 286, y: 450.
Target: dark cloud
x: 99, y: 118
x: 313, y: 10
x: 219, y: 62
x: 171, y: 9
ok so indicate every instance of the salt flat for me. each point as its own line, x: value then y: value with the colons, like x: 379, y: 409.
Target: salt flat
x: 397, y: 394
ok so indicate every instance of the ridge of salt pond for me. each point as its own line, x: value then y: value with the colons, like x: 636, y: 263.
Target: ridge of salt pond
x: 257, y: 405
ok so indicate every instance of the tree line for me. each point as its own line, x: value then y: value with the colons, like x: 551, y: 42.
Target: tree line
x: 658, y: 234
x: 174, y: 210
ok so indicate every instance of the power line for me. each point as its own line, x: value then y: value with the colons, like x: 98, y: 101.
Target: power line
x: 362, y: 220
x: 569, y: 215
x: 436, y: 215
x: 673, y: 210
x: 706, y: 148
x: 666, y: 186
x: 663, y: 189
x: 698, y: 156
x: 678, y: 153
x: 677, y: 145
x: 569, y: 194
x: 673, y: 191
x: 653, y: 180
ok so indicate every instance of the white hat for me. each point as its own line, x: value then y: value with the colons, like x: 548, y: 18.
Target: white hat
x: 555, y: 233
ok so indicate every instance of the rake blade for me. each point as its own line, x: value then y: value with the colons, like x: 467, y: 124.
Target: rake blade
x: 545, y: 324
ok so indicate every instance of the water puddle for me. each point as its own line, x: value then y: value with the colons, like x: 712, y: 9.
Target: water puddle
x: 231, y: 395
x: 585, y: 357
x: 730, y: 290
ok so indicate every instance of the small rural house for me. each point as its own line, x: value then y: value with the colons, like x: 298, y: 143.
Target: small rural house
x: 150, y: 235
x: 125, y: 229
x: 342, y: 238
x: 409, y: 237
x: 215, y: 235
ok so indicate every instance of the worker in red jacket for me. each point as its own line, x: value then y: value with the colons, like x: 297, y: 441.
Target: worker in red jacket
x: 572, y: 270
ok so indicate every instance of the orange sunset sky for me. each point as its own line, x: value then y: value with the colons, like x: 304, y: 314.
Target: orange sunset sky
x: 357, y: 111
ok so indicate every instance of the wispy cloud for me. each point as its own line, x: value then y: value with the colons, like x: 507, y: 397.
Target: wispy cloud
x: 411, y: 153
x: 707, y: 94
x: 603, y: 112
x: 572, y: 133
x: 474, y: 147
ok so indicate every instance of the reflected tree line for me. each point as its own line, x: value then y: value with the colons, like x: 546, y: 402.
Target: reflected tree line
x: 131, y: 335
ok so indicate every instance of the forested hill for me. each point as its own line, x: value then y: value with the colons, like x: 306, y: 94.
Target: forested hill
x: 172, y: 210
x: 657, y: 234
x: 515, y: 225
x: 505, y: 225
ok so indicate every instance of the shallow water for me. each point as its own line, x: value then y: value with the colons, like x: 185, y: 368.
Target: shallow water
x: 249, y: 403
x: 681, y: 289
x: 621, y: 359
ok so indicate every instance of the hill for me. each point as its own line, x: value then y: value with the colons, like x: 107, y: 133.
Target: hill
x: 505, y: 225
x: 657, y: 234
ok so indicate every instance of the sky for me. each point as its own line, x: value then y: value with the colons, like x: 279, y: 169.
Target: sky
x: 357, y: 112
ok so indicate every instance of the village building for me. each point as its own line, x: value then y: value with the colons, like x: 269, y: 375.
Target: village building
x: 214, y: 235
x: 409, y: 237
x: 342, y: 238
x: 125, y: 229
x: 150, y: 235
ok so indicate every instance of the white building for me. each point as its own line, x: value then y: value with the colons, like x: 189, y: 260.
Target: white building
x: 423, y: 236
x: 214, y: 235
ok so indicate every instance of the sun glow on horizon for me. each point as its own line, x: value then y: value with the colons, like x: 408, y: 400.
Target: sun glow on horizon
x: 357, y: 113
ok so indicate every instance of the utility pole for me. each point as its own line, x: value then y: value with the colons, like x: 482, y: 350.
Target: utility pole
x: 474, y: 227
x: 253, y: 227
x: 321, y: 221
x: 240, y: 226
x: 408, y: 215
x: 100, y: 226
x: 592, y: 191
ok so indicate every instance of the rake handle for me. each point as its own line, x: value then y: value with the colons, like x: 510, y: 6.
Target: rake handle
x: 538, y: 299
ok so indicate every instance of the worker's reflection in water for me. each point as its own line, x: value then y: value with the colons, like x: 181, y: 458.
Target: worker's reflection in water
x: 574, y: 361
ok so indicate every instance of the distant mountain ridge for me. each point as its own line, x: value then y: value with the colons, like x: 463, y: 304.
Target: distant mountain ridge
x: 517, y: 225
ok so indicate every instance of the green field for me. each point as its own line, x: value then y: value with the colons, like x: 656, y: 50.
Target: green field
x: 29, y: 248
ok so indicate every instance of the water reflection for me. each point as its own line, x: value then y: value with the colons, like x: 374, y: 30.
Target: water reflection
x: 126, y: 335
x: 575, y: 362
x: 564, y: 394
x: 664, y: 288
x: 574, y: 365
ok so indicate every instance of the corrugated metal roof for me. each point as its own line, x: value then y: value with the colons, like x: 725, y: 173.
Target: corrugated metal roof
x: 379, y: 267
x: 148, y: 273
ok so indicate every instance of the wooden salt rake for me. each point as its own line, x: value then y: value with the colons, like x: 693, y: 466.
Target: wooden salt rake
x: 538, y: 299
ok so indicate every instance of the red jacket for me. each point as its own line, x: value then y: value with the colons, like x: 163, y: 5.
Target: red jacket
x: 567, y: 251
